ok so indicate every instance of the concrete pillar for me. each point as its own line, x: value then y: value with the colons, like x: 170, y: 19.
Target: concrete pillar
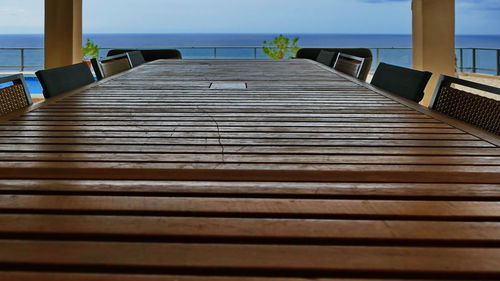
x: 434, y: 39
x: 63, y: 32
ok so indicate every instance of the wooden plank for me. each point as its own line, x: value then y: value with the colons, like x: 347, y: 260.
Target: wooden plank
x: 262, y: 258
x: 269, y: 124
x: 57, y: 276
x: 262, y: 150
x: 271, y: 106
x: 158, y: 127
x: 231, y: 114
x: 260, y: 87
x: 245, y: 142
x: 224, y: 109
x: 283, y: 117
x: 265, y: 105
x: 247, y: 207
x: 343, y: 113
x: 234, y: 103
x: 277, y: 231
x: 250, y: 172
x: 150, y: 132
x: 223, y: 99
x: 257, y: 189
x: 166, y: 120
x: 249, y: 158
x: 335, y: 94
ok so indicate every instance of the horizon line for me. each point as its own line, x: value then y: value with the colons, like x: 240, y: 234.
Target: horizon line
x: 243, y: 33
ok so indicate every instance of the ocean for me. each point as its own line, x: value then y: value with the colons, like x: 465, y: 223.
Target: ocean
x: 33, y: 58
x: 486, y: 62
x: 240, y: 40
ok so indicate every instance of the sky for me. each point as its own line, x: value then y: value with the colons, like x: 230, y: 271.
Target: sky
x: 249, y: 16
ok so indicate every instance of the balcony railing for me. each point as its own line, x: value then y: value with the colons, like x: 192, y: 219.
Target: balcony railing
x: 476, y: 60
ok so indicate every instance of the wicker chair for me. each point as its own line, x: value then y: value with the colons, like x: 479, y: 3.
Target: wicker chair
x: 59, y: 80
x: 15, y: 96
x: 111, y: 65
x: 150, y: 55
x: 404, y: 82
x: 476, y: 110
x: 350, y: 65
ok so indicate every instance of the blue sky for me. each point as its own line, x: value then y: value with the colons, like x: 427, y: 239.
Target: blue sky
x: 249, y: 16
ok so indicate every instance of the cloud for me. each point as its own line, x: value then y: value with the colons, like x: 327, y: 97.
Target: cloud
x: 11, y: 11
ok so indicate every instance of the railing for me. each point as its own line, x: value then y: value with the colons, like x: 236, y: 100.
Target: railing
x: 476, y: 60
x: 21, y: 58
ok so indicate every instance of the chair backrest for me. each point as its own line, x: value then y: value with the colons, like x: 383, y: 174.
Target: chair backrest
x: 15, y: 96
x: 110, y: 66
x: 312, y: 53
x: 136, y: 58
x: 468, y: 107
x: 401, y: 81
x: 150, y: 55
x: 59, y: 80
x: 350, y: 65
x: 327, y: 58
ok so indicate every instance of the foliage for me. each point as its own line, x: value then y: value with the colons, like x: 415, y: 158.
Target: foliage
x: 90, y: 50
x: 281, y: 47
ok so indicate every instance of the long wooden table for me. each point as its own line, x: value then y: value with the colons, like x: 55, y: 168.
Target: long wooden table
x: 244, y: 170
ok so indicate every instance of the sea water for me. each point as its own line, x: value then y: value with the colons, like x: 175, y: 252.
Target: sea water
x: 33, y: 58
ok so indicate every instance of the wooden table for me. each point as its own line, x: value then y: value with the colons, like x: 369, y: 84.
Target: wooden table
x: 244, y: 170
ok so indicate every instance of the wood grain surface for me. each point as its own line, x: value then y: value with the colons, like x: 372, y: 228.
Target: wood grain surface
x: 156, y: 174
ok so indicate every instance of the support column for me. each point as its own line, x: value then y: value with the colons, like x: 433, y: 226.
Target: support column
x: 434, y: 40
x: 63, y: 32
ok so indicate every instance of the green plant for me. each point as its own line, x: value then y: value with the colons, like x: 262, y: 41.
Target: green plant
x: 90, y: 50
x: 281, y: 47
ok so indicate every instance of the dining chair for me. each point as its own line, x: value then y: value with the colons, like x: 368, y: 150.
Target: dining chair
x: 312, y: 54
x: 135, y: 58
x: 327, y: 58
x: 473, y: 108
x: 350, y: 65
x: 59, y: 80
x: 150, y: 55
x: 110, y: 66
x: 15, y: 96
x: 401, y: 81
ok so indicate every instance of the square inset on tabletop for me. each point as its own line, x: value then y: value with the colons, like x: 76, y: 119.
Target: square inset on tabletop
x: 228, y: 85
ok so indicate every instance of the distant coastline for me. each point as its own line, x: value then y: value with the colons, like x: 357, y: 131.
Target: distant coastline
x: 226, y: 39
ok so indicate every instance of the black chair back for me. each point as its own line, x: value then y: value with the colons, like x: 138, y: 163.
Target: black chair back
x: 477, y: 110
x: 136, y: 58
x: 312, y: 53
x: 401, y: 81
x: 350, y: 65
x: 15, y: 96
x: 327, y: 58
x: 150, y: 55
x: 59, y: 80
